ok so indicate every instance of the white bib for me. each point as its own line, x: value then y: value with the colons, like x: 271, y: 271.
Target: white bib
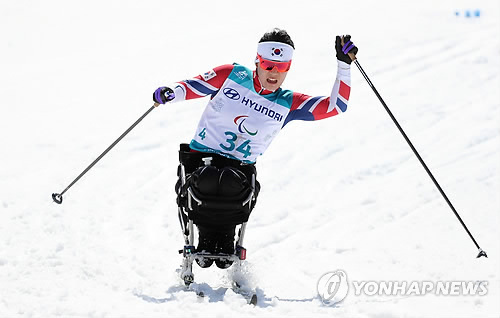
x: 238, y: 122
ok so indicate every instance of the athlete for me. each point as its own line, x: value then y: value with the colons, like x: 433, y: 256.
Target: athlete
x: 247, y: 109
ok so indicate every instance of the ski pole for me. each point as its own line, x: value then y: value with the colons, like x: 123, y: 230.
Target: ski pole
x: 57, y: 197
x: 481, y: 252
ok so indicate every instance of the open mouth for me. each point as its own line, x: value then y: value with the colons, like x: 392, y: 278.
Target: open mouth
x: 272, y: 81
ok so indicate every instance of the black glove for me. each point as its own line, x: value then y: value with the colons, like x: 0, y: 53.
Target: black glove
x: 342, y: 50
x: 163, y: 94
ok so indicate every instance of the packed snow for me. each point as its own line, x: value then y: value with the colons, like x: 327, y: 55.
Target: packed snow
x: 342, y: 193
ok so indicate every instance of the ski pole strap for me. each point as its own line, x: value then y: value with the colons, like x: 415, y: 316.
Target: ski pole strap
x: 347, y: 47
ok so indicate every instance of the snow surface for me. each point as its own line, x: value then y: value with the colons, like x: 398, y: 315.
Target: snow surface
x: 343, y: 193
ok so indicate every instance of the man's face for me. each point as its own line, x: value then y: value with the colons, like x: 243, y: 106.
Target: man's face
x: 271, y: 80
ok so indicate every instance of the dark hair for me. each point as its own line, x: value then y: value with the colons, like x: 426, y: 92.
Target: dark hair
x: 277, y: 35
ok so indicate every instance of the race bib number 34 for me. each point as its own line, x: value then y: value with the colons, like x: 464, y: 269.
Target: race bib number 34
x: 244, y: 148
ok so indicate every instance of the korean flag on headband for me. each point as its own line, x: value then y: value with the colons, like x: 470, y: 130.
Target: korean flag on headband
x: 209, y: 75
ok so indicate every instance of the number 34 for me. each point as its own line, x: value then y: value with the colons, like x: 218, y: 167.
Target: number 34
x: 244, y: 148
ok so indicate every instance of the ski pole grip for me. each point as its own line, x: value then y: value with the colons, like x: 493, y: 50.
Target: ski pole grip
x: 352, y: 56
x: 57, y: 198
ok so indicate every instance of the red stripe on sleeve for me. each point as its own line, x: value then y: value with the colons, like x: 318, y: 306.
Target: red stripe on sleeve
x: 323, y: 114
x: 298, y: 99
x: 222, y: 72
x: 321, y: 109
x: 344, y: 90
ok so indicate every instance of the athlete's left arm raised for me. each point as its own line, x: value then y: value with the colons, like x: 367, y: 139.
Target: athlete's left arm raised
x: 305, y: 107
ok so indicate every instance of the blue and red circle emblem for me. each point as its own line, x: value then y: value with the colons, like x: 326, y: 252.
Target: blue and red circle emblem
x: 277, y: 51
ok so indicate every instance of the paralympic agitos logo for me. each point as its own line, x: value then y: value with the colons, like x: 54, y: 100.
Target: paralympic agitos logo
x: 240, y: 122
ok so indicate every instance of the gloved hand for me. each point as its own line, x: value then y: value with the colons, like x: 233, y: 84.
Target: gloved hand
x: 343, y: 45
x: 163, y: 94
